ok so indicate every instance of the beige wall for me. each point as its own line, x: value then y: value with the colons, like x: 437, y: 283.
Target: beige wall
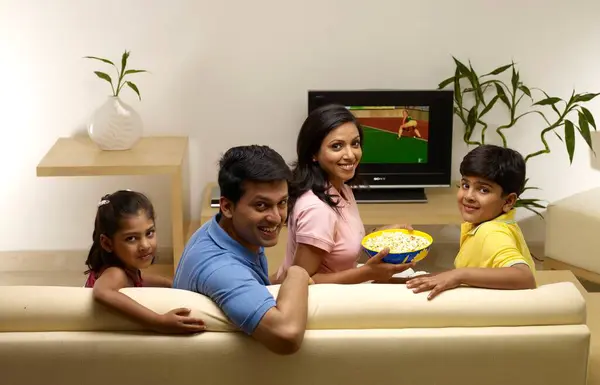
x: 235, y: 72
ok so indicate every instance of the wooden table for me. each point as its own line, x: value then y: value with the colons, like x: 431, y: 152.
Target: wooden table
x: 72, y: 157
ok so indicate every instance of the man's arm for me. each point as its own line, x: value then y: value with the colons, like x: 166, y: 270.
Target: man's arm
x: 282, y: 327
x: 279, y: 325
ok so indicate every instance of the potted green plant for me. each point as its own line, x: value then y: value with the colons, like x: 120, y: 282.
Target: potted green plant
x: 476, y: 95
x: 115, y: 125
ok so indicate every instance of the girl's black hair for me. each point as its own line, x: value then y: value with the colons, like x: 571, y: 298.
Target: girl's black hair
x: 111, y: 210
x: 306, y: 173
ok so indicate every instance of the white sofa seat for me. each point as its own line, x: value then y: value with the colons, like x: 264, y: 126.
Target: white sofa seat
x: 358, y: 334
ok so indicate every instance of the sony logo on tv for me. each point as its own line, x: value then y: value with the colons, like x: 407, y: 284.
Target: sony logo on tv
x: 379, y: 178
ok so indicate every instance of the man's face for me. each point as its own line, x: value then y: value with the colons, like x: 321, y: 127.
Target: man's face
x: 258, y: 216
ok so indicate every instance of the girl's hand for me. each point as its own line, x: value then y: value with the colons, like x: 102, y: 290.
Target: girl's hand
x: 396, y: 226
x: 177, y: 322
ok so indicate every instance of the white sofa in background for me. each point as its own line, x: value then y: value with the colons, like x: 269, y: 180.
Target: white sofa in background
x: 358, y: 334
x: 573, y: 235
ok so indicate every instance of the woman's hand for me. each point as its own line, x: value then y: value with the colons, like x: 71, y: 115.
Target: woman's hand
x: 395, y: 226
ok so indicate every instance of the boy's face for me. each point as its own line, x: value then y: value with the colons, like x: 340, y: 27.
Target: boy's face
x: 481, y: 200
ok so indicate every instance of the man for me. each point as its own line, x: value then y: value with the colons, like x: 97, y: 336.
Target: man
x: 225, y: 258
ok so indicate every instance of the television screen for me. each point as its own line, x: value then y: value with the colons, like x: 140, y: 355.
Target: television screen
x: 394, y: 134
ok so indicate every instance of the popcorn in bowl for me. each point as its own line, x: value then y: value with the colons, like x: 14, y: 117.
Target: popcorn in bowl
x: 405, y: 245
x: 397, y: 242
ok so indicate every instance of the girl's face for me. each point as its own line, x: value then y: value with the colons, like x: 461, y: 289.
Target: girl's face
x: 340, y: 153
x: 135, y: 242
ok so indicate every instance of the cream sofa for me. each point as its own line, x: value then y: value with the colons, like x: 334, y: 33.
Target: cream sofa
x: 358, y: 334
x: 572, y: 240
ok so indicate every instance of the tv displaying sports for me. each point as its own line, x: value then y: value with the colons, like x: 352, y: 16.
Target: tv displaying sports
x: 394, y: 134
x: 407, y: 143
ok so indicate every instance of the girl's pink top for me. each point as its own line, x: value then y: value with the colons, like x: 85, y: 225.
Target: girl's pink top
x: 313, y: 222
x: 136, y: 278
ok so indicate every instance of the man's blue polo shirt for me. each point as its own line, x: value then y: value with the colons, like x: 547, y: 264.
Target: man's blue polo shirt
x: 235, y: 278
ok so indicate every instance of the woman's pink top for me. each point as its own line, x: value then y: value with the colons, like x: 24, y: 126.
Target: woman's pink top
x: 135, y: 278
x: 313, y: 222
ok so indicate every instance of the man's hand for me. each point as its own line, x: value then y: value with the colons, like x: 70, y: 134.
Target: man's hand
x: 395, y: 226
x: 436, y: 283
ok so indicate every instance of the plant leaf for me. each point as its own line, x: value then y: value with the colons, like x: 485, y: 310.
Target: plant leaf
x: 457, y: 94
x: 531, y: 188
x: 589, y: 117
x: 547, y: 101
x: 104, y: 76
x: 530, y: 202
x: 558, y: 136
x: 526, y: 91
x: 548, y: 97
x: 446, y: 82
x: 489, y: 106
x: 476, y: 85
x: 514, y: 79
x: 502, y: 95
x: 99, y: 58
x: 462, y: 68
x: 570, y: 139
x: 124, y: 60
x: 134, y: 87
x: 534, y: 211
x: 133, y: 72
x: 584, y: 130
x: 584, y: 97
x: 499, y: 70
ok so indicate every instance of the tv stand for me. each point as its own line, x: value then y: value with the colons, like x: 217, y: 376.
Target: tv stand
x: 390, y: 195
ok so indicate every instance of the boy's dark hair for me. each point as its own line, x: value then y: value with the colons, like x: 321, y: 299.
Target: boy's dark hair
x: 112, y: 208
x: 501, y: 165
x: 253, y: 163
x: 307, y: 174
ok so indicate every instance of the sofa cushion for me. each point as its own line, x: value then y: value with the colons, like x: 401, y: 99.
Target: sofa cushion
x: 366, y: 306
x: 572, y: 227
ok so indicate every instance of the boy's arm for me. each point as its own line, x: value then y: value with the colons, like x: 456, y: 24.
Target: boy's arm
x: 514, y: 277
x: 509, y: 269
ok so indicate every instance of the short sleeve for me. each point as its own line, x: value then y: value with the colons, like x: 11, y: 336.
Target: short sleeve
x: 240, y: 296
x: 315, y: 226
x: 500, y: 249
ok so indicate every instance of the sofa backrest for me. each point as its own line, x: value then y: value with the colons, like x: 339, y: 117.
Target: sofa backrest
x: 364, y: 306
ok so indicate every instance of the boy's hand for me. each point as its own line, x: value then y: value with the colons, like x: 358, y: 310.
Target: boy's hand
x: 436, y: 283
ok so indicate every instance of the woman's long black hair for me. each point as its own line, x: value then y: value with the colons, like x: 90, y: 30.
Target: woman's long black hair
x: 306, y: 173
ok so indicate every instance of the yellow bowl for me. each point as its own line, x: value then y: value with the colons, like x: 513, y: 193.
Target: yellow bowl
x: 397, y: 258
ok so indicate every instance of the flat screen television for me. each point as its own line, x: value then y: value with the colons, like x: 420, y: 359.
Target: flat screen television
x: 407, y: 144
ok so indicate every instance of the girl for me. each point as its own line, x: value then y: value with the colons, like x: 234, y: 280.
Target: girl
x: 124, y: 244
x: 324, y: 226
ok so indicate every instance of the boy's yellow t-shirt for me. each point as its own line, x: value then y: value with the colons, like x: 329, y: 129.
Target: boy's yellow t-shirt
x: 495, y: 243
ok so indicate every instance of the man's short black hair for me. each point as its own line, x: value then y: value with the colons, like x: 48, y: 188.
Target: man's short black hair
x: 501, y: 165
x: 252, y: 163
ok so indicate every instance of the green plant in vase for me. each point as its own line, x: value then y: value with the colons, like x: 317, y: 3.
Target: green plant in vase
x: 476, y: 95
x: 116, y: 125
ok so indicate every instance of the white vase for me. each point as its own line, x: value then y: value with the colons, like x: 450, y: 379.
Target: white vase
x: 115, y: 125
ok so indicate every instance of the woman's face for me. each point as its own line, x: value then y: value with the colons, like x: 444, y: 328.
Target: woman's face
x: 340, y: 153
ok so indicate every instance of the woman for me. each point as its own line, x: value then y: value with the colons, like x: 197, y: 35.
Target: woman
x: 324, y: 226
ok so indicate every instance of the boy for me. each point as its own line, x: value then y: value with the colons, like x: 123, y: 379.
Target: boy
x: 493, y: 253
